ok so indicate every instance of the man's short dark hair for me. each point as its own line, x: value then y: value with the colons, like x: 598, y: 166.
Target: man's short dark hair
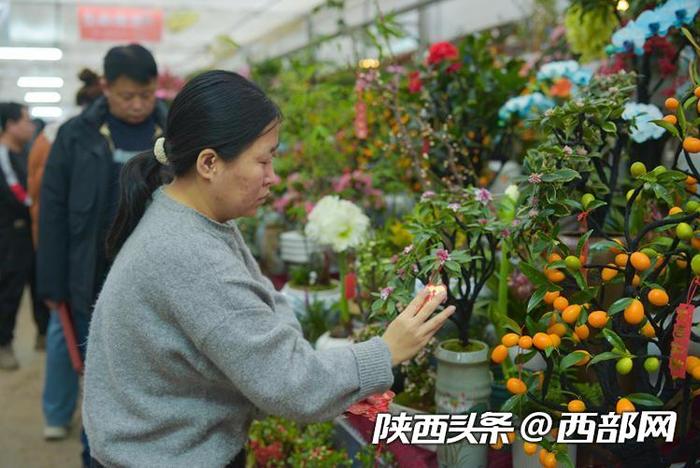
x: 132, y: 61
x: 10, y: 111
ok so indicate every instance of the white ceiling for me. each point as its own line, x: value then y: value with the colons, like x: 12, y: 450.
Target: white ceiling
x: 54, y: 23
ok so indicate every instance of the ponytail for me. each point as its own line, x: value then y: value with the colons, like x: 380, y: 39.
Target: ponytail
x: 139, y: 178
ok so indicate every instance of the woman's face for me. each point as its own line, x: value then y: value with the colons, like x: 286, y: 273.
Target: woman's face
x: 241, y: 186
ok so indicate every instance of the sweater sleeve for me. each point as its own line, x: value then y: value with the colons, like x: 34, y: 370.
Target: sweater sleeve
x: 266, y: 357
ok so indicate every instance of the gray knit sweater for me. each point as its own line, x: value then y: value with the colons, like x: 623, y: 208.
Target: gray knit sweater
x: 189, y: 342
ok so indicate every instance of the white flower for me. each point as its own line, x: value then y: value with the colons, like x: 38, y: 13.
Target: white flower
x: 642, y: 115
x: 513, y: 192
x: 338, y: 223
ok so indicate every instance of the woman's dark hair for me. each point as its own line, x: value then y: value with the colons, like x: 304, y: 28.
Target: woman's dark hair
x: 132, y: 61
x: 91, y: 88
x: 219, y: 110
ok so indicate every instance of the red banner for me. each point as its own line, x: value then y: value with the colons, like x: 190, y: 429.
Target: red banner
x: 99, y: 23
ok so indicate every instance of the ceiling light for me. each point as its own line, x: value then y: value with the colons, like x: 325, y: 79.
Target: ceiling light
x: 40, y: 82
x: 46, y: 112
x: 30, y: 53
x: 42, y: 96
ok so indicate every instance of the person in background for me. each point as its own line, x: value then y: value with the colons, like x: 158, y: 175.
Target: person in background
x: 16, y: 252
x: 39, y: 153
x: 78, y: 199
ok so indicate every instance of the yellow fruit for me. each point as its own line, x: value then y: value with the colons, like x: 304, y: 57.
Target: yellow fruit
x: 621, y: 260
x: 558, y: 329
x: 691, y: 145
x: 510, y: 339
x: 550, y: 460
x: 511, y: 437
x: 584, y: 360
x: 640, y: 261
x: 690, y: 180
x: 582, y: 331
x: 561, y: 303
x: 516, y: 386
x: 608, y: 273
x: 671, y: 103
x: 571, y: 314
x: 658, y: 297
x: 636, y: 280
x: 576, y: 406
x: 499, y: 354
x: 525, y: 342
x: 542, y: 341
x: 696, y: 373
x: 695, y: 241
x: 598, y: 319
x: 691, y: 362
x: 682, y: 263
x: 543, y: 454
x: 670, y: 118
x: 634, y: 313
x: 529, y: 448
x: 648, y: 330
x: 553, y: 275
x: 617, y: 250
x: 556, y: 341
x: 550, y: 296
x: 624, y: 405
x: 675, y: 210
x: 553, y: 257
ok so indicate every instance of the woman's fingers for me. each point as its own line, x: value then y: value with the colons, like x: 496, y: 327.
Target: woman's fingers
x: 417, y: 302
x: 431, y: 304
x: 431, y: 327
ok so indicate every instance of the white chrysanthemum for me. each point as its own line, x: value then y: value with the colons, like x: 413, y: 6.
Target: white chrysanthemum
x: 338, y: 223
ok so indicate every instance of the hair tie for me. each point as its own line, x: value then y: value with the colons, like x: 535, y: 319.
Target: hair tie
x: 159, y: 151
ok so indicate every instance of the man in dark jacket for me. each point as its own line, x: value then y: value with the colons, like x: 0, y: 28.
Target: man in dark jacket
x: 79, y: 196
x: 16, y: 254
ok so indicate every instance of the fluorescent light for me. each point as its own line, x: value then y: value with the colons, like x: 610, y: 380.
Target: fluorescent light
x: 42, y: 96
x: 30, y: 53
x: 40, y: 82
x: 46, y: 112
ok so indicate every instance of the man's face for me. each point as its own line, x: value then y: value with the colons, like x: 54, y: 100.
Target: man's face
x: 129, y: 100
x: 23, y: 129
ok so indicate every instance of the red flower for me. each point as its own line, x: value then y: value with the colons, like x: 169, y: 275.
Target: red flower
x: 454, y: 67
x: 414, y: 82
x: 441, y: 51
x: 372, y: 405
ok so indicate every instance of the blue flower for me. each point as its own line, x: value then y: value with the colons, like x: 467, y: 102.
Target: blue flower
x: 679, y: 11
x: 655, y: 22
x: 642, y: 115
x: 552, y: 70
x: 581, y: 77
x: 524, y: 106
x: 631, y: 38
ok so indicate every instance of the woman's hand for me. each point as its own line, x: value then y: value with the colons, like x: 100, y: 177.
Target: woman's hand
x: 411, y: 330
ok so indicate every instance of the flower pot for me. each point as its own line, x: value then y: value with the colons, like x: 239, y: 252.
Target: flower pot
x: 299, y: 298
x: 463, y: 384
x: 295, y: 247
x: 326, y: 341
x: 395, y: 408
x: 523, y: 460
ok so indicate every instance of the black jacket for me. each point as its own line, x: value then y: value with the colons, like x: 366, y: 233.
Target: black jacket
x: 15, y: 252
x: 74, y: 216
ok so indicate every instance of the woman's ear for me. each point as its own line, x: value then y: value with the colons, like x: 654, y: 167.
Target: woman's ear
x: 207, y: 161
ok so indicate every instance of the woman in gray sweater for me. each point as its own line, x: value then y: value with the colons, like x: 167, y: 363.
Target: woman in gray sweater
x: 189, y: 341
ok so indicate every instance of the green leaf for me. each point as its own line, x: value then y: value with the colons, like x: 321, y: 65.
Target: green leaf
x: 582, y: 242
x: 522, y: 358
x: 690, y: 38
x: 511, y: 324
x: 644, y: 399
x: 536, y: 299
x: 571, y: 359
x: 667, y: 126
x: 615, y: 340
x: 561, y: 175
x: 537, y: 277
x: 661, y: 192
x: 579, y: 280
x: 511, y: 403
x: 681, y: 120
x: 609, y: 127
x: 564, y: 459
x: 606, y: 356
x: 693, y: 99
x: 619, y: 305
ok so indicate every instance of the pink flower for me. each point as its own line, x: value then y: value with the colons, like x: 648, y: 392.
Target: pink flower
x: 567, y: 150
x: 385, y: 293
x: 533, y: 213
x: 308, y: 207
x: 342, y: 183
x: 283, y: 202
x: 483, y: 195
x: 427, y: 195
x: 535, y: 178
x: 454, y: 206
x: 442, y: 255
x: 483, y: 221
